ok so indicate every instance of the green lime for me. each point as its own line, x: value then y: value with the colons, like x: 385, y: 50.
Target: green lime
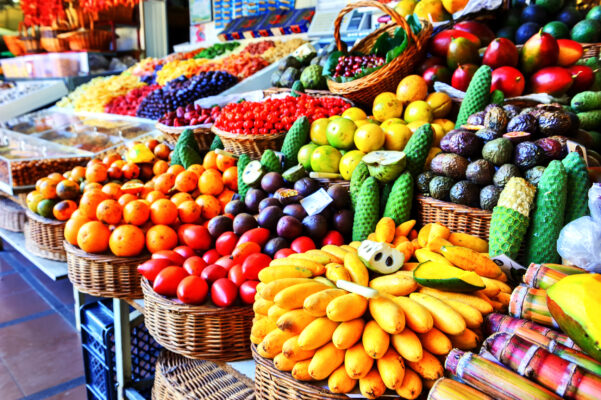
x: 325, y: 159
x: 594, y: 13
x: 340, y: 132
x: 45, y: 208
x: 304, y: 155
x: 586, y: 31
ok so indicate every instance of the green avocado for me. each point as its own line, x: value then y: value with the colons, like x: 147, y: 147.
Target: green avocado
x: 586, y: 31
x: 440, y: 187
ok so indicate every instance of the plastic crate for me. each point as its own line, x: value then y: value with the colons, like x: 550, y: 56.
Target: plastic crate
x: 98, y: 346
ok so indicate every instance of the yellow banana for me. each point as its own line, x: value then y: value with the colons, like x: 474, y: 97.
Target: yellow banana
x: 335, y: 272
x: 428, y: 367
x: 346, y: 307
x: 408, y: 345
x: 468, y: 340
x: 317, y: 303
x: 375, y: 340
x: 469, y: 241
x: 294, y: 296
x: 391, y: 368
x: 473, y: 318
x: 317, y: 333
x: 322, y: 259
x: 481, y: 305
x: 397, y: 284
x: 340, y: 382
x: 273, y: 288
x: 348, y: 248
x: 385, y: 229
x: 325, y: 361
x: 417, y: 317
x: 300, y: 372
x: 388, y: 314
x: 348, y: 333
x: 273, y: 342
x: 273, y: 273
x: 261, y: 328
x: 293, y: 352
x: 445, y: 318
x: 315, y: 267
x: 335, y: 251
x: 275, y: 312
x: 357, y: 362
x: 261, y: 306
x: 355, y: 244
x: 436, y: 342
x: 282, y: 363
x: 424, y: 255
x: 294, y: 321
x: 331, y: 258
x: 372, y: 386
x: 356, y: 269
x: 411, y: 387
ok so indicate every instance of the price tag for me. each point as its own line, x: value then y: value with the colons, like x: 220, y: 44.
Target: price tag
x: 317, y: 202
x: 512, y: 269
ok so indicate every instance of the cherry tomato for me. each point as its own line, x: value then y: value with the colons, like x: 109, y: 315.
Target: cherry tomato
x: 184, y: 251
x: 197, y: 237
x: 283, y: 253
x: 302, y: 244
x: 224, y: 292
x: 248, y: 290
x: 244, y: 250
x: 253, y: 264
x: 211, y: 256
x: 226, y: 262
x: 235, y: 275
x: 333, y: 237
x: 168, y: 279
x: 194, y: 265
x: 226, y: 243
x: 151, y: 268
x: 180, y: 231
x: 192, y: 290
x: 258, y: 235
x: 172, y: 256
x: 213, y: 272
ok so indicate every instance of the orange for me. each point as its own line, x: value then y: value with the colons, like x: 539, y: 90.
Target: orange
x: 152, y: 144
x: 94, y: 161
x: 162, y: 151
x: 223, y: 162
x: 210, y: 182
x: 196, y: 168
x: 154, y: 195
x: 109, y: 212
x: 72, y: 227
x: 160, y: 237
x: 230, y: 178
x: 126, y: 199
x: 110, y: 159
x: 113, y: 190
x: 77, y: 214
x: 64, y: 209
x: 92, y: 186
x: 56, y: 177
x: 189, y: 212
x: 39, y: 182
x: 119, y: 164
x: 78, y: 173
x: 48, y: 189
x: 130, y: 171
x: 186, y: 181
x: 180, y: 197
x: 67, y: 190
x: 164, y: 182
x: 225, y: 197
x: 127, y: 241
x: 115, y: 172
x: 136, y: 212
x: 160, y: 167
x: 211, y: 207
x: 175, y: 169
x: 89, y: 203
x: 163, y: 211
x: 93, y: 237
x: 97, y: 173
x: 210, y: 160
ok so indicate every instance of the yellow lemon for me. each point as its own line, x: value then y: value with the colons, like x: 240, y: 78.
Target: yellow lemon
x: 384, y: 125
x: 447, y: 124
x: 405, y: 7
x: 354, y: 114
x: 412, y: 88
x: 431, y: 154
x: 386, y: 106
x: 440, y: 103
x: 33, y: 199
x: 333, y: 117
x: 348, y: 162
x: 325, y: 159
x: 431, y: 10
x: 396, y: 136
x: 318, y: 131
x: 415, y: 124
x: 369, y: 137
x: 418, y: 111
x: 438, y: 134
x: 373, y: 120
x: 454, y: 6
x: 362, y: 122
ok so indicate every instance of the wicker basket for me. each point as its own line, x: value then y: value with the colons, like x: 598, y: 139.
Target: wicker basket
x: 29, y: 38
x: 179, y: 378
x: 104, y: 275
x: 253, y: 145
x: 12, y: 216
x: 44, y: 237
x: 14, y: 45
x: 202, y: 332
x: 591, y: 50
x: 364, y: 90
x: 272, y: 384
x: 88, y: 39
x: 204, y: 136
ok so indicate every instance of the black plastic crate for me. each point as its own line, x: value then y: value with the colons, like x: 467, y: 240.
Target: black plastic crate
x: 98, y: 346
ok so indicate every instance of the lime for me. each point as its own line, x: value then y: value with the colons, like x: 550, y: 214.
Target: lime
x: 304, y: 155
x: 418, y: 111
x: 369, y: 137
x: 594, y: 13
x: 45, y: 207
x: 348, y: 162
x: 396, y: 137
x: 318, y: 131
x: 325, y: 159
x: 33, y: 199
x: 557, y: 29
x: 340, y: 133
x: 386, y: 106
x: 354, y: 114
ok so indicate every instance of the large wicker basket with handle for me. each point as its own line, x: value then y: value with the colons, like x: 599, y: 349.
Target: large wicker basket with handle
x: 253, y: 145
x: 203, y: 135
x: 44, y: 237
x: 385, y: 79
x: 203, y: 331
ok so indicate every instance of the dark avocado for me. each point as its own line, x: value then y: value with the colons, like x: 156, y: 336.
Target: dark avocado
x: 496, y: 119
x: 575, y: 123
x: 488, y: 134
x: 476, y: 119
x: 423, y: 181
x: 554, y: 123
x: 527, y: 155
x: 446, y: 139
x: 480, y: 172
x: 533, y: 175
x: 440, y: 187
x: 489, y: 197
x: 511, y: 110
x: 534, y: 13
x: 465, y: 144
x: 523, y: 123
x: 498, y: 151
x: 449, y: 164
x: 466, y: 193
x: 504, y: 173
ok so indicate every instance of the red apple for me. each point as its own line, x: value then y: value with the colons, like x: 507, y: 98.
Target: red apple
x: 555, y: 81
x: 439, y: 44
x: 501, y: 52
x: 463, y: 76
x: 478, y: 29
x: 437, y: 73
x: 508, y: 80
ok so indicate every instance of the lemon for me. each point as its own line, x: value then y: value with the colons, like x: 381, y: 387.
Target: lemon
x: 340, y: 133
x: 431, y: 154
x: 438, y: 134
x: 384, y: 125
x: 440, y: 103
x: 304, y: 155
x: 412, y: 88
x: 431, y: 10
x: 325, y: 159
x: 369, y: 137
x: 415, y: 124
x: 418, y: 111
x: 386, y: 106
x: 447, y: 124
x: 348, y: 162
x: 354, y: 114
x: 405, y: 7
x: 373, y: 120
x: 396, y: 136
x: 318, y: 131
x: 33, y: 199
x: 333, y: 117
x: 361, y: 122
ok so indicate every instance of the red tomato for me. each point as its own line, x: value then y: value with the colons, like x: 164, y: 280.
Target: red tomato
x: 151, y: 268
x: 235, y: 275
x: 333, y: 237
x: 192, y: 290
x: 244, y: 250
x: 283, y: 253
x: 226, y: 262
x: 253, y: 264
x: 226, y: 243
x: 213, y: 272
x: 302, y: 244
x: 172, y: 256
x: 257, y: 235
x: 197, y: 237
x: 184, y: 251
x: 194, y: 265
x: 168, y: 279
x: 180, y: 231
x: 248, y: 290
x: 224, y: 292
x: 211, y: 256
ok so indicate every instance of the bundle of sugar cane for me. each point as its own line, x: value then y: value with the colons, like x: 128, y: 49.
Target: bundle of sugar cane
x: 448, y: 389
x: 541, y: 277
x: 492, y: 379
x: 504, y: 323
x: 563, y: 377
x: 565, y: 269
x: 531, y: 303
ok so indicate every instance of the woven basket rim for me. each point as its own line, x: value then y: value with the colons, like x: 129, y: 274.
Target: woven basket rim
x: 174, y: 306
x: 203, y: 128
x: 457, y: 208
x: 43, y: 220
x: 76, y: 251
x: 243, y: 136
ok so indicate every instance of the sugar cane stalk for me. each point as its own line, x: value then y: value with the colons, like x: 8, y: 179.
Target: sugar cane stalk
x: 541, y: 277
x: 448, y: 389
x: 531, y: 303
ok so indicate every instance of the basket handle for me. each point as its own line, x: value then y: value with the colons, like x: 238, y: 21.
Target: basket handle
x: 396, y: 17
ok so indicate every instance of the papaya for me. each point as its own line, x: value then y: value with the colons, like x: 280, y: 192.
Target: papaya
x: 443, y: 276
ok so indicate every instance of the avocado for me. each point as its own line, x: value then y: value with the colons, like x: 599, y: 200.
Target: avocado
x: 534, y: 13
x: 551, y: 6
x: 533, y: 175
x: 574, y: 123
x: 496, y: 119
x: 507, y: 32
x: 275, y: 78
x: 527, y: 155
x: 466, y: 144
x: 466, y: 193
x: 569, y: 16
x: 586, y: 31
x: 290, y: 75
x: 505, y: 173
x: 489, y: 197
x: 480, y: 172
x: 446, y: 139
x: 554, y: 123
x: 288, y: 62
x: 557, y: 29
x: 440, y: 187
x: 449, y: 164
x: 594, y: 13
x: 512, y: 19
x: 511, y: 110
x: 476, y: 119
x: 488, y: 134
x: 498, y: 151
x: 523, y: 123
x: 423, y: 181
x: 525, y: 32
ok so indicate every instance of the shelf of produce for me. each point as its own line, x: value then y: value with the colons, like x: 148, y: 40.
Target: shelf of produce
x: 54, y: 269
x: 50, y: 93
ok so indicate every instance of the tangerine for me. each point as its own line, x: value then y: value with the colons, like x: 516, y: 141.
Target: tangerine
x: 163, y: 211
x: 93, y: 162
x: 210, y: 182
x: 175, y: 169
x: 162, y: 151
x: 113, y: 190
x: 119, y: 164
x: 109, y: 211
x: 160, y: 237
x: 211, y: 207
x: 186, y: 181
x: 110, y: 159
x: 91, y: 186
x: 225, y: 197
x: 152, y: 144
x: 136, y: 212
x: 48, y: 189
x: 130, y: 171
x: 160, y: 167
x: 223, y: 162
x: 230, y: 178
x: 180, y: 197
x: 89, y: 203
x: 126, y: 199
x: 196, y: 168
x: 115, y: 172
x: 189, y: 212
x: 64, y: 209
x: 72, y: 227
x: 78, y: 173
x: 155, y: 195
x: 67, y: 190
x: 97, y: 173
x: 56, y: 177
x: 127, y: 241
x: 77, y: 213
x: 93, y: 237
x: 32, y: 200
x: 164, y: 182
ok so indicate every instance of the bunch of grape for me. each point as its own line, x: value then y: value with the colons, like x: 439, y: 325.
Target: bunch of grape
x: 352, y: 65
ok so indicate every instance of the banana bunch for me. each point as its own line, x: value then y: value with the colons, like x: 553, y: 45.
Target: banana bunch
x: 393, y: 340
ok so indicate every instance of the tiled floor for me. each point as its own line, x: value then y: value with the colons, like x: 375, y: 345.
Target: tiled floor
x: 40, y: 349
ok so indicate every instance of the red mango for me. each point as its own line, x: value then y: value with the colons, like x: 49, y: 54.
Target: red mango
x: 583, y: 78
x: 508, y: 80
x: 540, y: 51
x: 439, y: 44
x: 570, y: 51
x: 437, y: 73
x: 463, y: 76
x: 478, y: 29
x: 501, y: 52
x: 555, y: 81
